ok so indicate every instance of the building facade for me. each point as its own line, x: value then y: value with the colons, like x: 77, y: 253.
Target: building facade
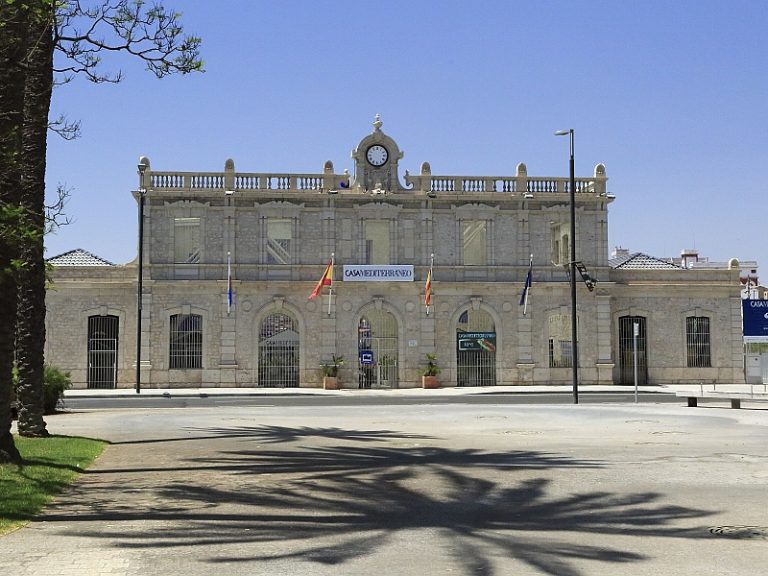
x: 231, y: 258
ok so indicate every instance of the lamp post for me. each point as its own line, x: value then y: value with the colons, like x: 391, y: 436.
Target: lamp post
x: 572, y: 273
x: 142, y: 198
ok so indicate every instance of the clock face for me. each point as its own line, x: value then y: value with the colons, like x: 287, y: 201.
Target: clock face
x: 377, y: 155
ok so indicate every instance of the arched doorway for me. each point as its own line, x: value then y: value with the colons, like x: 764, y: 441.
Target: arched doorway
x: 278, y: 362
x: 475, y: 349
x: 377, y: 345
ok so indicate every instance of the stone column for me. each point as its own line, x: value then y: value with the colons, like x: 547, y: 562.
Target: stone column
x: 605, y: 362
x: 525, y: 363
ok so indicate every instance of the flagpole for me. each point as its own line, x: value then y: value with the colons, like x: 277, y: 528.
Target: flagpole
x: 330, y: 290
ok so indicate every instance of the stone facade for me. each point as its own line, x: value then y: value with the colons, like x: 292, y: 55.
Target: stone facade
x: 273, y: 235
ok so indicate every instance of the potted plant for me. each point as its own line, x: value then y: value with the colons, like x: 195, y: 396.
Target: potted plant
x: 330, y: 372
x: 430, y: 372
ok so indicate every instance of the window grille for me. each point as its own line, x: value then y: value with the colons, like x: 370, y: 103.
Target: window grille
x: 186, y: 240
x: 186, y: 341
x: 697, y: 340
x: 475, y: 247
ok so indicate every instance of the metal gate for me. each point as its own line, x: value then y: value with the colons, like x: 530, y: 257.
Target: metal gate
x: 278, y: 363
x: 627, y: 352
x: 102, y: 351
x: 475, y: 349
x: 377, y: 344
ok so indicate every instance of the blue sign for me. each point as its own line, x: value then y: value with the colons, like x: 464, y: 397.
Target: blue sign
x: 366, y: 358
x: 755, y: 317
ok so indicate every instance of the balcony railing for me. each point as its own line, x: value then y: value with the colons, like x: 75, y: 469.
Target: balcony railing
x: 425, y: 182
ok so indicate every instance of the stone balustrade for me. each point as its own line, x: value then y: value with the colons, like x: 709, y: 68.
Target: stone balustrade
x: 426, y: 182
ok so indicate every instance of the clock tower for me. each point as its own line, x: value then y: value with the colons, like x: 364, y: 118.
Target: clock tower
x: 376, y: 159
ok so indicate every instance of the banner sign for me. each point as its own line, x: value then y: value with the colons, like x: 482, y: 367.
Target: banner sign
x: 476, y: 341
x: 755, y: 319
x: 378, y: 273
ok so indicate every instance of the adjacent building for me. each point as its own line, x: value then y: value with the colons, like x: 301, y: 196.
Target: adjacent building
x: 230, y: 259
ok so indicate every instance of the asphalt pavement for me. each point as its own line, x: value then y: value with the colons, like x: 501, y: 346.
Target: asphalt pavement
x: 458, y: 489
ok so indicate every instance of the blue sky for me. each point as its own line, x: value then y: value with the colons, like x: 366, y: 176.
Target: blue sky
x: 671, y: 96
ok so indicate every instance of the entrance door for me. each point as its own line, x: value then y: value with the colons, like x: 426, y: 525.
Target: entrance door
x: 627, y: 352
x: 475, y: 349
x: 278, y: 352
x: 377, y: 344
x: 102, y: 351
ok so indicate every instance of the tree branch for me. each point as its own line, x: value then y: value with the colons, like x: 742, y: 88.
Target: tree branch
x: 150, y: 33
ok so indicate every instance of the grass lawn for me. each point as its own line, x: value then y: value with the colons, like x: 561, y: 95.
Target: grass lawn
x: 50, y: 465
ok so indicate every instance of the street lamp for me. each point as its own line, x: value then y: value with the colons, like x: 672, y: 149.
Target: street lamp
x: 572, y: 273
x: 142, y: 197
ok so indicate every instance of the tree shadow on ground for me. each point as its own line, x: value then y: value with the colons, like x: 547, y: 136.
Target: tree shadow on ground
x: 279, y: 434
x: 332, y: 505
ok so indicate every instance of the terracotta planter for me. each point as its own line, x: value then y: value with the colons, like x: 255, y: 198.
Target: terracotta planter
x: 331, y: 383
x: 429, y: 382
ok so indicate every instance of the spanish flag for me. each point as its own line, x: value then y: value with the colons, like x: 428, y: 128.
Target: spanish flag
x: 325, y: 280
x: 428, y: 289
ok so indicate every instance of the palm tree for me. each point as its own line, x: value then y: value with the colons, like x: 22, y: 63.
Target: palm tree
x: 12, y: 46
x: 30, y: 316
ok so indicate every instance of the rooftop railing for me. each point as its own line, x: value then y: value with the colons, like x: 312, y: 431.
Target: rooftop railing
x: 425, y: 182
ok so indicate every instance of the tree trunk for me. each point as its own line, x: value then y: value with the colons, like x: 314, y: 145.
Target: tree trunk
x: 30, y: 323
x: 12, y: 47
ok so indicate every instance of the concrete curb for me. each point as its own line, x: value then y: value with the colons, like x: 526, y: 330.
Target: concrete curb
x: 447, y: 391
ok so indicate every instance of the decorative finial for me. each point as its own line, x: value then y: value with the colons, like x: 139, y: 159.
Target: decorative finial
x: 377, y: 123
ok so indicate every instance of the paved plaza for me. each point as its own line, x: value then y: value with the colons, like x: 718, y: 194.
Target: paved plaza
x: 586, y: 490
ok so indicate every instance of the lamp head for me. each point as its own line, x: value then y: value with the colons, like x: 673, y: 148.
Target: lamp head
x: 563, y: 132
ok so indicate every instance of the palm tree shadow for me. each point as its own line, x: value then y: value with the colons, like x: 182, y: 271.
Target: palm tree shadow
x: 332, y: 505
x: 272, y: 434
x: 266, y: 434
x: 477, y: 518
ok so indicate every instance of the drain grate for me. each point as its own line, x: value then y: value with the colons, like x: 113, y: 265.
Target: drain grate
x: 741, y: 532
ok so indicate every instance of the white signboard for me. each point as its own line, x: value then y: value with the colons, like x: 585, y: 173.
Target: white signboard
x: 378, y: 273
